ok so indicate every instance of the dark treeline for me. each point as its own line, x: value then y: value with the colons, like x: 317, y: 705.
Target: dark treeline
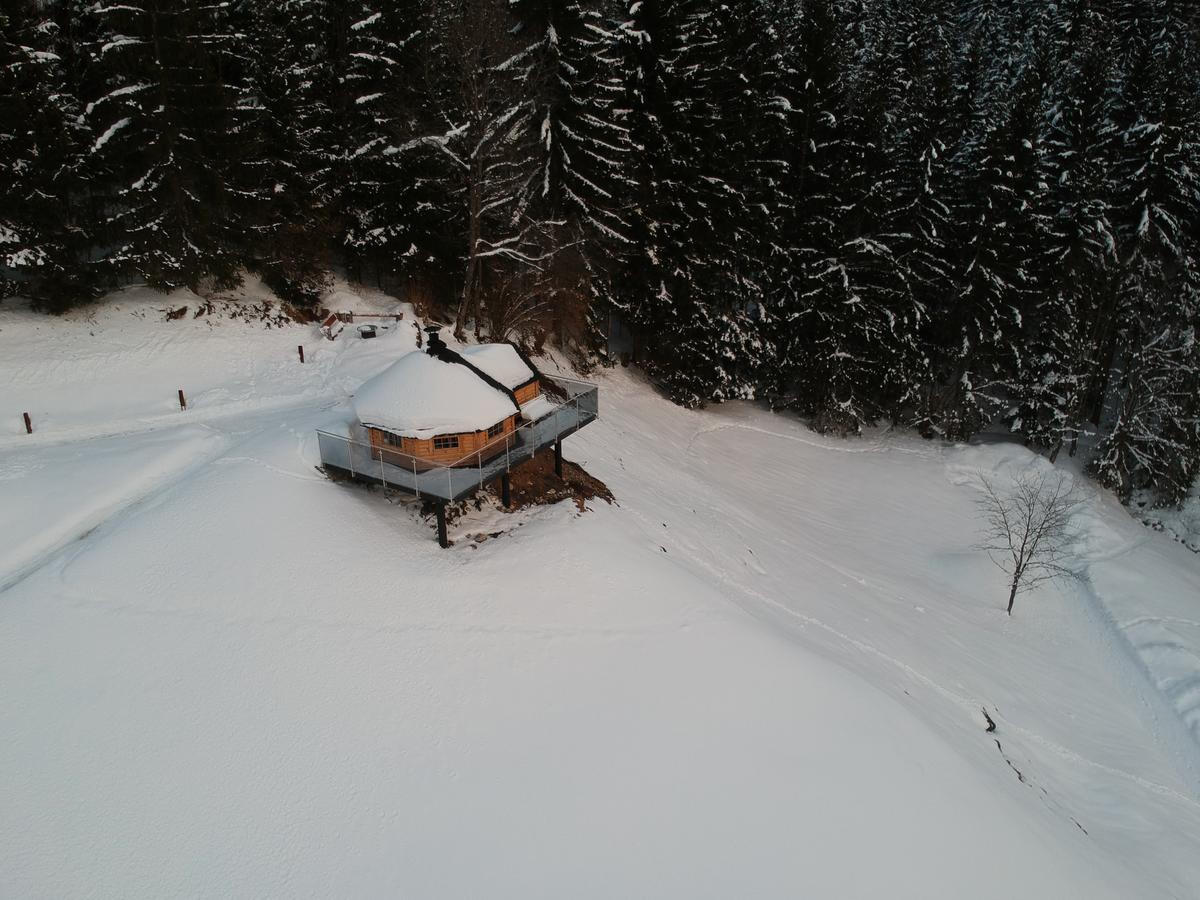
x: 946, y: 213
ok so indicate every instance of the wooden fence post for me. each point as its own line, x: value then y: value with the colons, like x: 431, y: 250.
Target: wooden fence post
x: 182, y: 400
x: 28, y: 424
x: 300, y: 347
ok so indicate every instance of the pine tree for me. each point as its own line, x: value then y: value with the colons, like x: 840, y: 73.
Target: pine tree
x: 1152, y: 441
x: 296, y: 50
x: 396, y: 204
x: 47, y: 218
x: 1061, y: 388
x: 165, y: 100
x: 866, y: 315
x: 569, y: 74
x: 917, y: 220
x: 1001, y: 211
x: 804, y: 336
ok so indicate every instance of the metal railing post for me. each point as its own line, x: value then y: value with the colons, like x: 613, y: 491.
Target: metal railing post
x: 350, y: 455
x: 416, y: 483
x: 479, y: 460
x: 449, y: 485
x: 382, y: 474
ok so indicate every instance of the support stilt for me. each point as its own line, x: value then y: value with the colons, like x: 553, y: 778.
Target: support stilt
x: 505, y: 490
x: 558, y: 458
x: 443, y: 541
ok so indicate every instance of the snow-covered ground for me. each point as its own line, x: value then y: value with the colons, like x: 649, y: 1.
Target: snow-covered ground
x: 1180, y: 522
x: 760, y: 673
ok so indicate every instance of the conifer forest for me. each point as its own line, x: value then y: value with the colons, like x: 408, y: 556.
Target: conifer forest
x: 949, y: 215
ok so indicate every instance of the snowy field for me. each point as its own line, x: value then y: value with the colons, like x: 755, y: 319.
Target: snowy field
x: 759, y: 674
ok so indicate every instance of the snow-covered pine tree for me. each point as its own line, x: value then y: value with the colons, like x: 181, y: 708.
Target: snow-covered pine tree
x: 862, y: 332
x: 396, y: 199
x: 170, y: 106
x: 640, y: 279
x: 1000, y: 214
x: 570, y: 76
x: 1074, y: 322
x: 296, y: 54
x: 47, y: 218
x: 924, y: 131
x: 1153, y: 440
x: 812, y: 146
x: 733, y: 89
x: 702, y: 98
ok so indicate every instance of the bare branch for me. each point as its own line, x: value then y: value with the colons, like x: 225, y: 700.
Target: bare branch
x: 1028, y: 529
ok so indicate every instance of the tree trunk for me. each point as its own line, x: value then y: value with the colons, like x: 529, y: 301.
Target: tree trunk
x: 470, y: 291
x: 1012, y: 595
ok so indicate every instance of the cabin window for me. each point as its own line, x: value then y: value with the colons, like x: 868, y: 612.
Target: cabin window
x: 446, y: 442
x: 393, y: 440
x: 496, y: 430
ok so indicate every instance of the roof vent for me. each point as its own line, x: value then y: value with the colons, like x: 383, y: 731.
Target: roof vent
x: 436, y: 344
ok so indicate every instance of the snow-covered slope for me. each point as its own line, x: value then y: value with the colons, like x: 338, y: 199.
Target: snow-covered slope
x: 759, y: 674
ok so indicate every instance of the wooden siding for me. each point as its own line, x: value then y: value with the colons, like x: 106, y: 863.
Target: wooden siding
x: 468, y: 442
x: 528, y: 391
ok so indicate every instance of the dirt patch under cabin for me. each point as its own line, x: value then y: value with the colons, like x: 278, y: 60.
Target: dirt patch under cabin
x: 533, y: 483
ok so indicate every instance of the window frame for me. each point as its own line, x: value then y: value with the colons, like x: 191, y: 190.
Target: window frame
x: 445, y: 442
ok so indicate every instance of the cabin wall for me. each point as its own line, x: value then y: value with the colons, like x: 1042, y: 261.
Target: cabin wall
x: 527, y: 392
x: 468, y: 442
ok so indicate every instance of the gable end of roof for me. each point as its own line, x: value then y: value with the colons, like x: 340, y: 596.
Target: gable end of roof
x: 445, y: 354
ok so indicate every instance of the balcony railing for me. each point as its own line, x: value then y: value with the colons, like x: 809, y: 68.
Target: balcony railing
x: 353, y: 454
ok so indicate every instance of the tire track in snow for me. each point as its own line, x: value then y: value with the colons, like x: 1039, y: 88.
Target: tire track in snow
x: 132, y: 500
x: 179, y: 464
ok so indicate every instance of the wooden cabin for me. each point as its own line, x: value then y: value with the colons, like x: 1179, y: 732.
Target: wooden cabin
x: 441, y: 407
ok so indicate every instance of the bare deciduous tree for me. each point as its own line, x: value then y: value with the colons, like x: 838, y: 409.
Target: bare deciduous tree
x: 1028, y: 529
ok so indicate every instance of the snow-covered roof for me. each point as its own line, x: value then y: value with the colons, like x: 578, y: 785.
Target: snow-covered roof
x: 420, y: 396
x: 500, y: 361
x: 537, y: 408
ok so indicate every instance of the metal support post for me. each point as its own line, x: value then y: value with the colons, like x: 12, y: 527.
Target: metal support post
x: 443, y: 541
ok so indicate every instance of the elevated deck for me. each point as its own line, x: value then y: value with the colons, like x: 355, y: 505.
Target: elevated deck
x: 352, y: 455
